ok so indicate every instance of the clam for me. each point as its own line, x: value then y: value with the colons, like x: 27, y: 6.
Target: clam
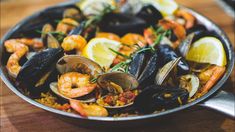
x: 79, y: 64
x: 165, y: 71
x: 116, y: 83
x: 189, y: 82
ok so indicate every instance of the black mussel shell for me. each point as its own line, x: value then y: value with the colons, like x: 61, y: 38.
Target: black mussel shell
x: 149, y: 71
x: 39, y: 65
x: 167, y: 54
x: 195, y: 29
x: 78, y: 30
x: 121, y: 24
x: 137, y: 64
x: 156, y: 97
x: 150, y: 14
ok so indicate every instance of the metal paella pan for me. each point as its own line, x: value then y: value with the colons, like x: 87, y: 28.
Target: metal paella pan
x: 211, y: 99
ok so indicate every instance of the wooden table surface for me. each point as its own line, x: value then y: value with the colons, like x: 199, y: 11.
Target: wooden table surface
x: 18, y: 115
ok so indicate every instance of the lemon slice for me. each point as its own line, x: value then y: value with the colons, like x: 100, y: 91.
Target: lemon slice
x: 98, y: 50
x: 166, y: 7
x: 94, y: 7
x: 207, y: 50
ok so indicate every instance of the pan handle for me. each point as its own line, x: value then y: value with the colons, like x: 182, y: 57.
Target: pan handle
x: 223, y: 102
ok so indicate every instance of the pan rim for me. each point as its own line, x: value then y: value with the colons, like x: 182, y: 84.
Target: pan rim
x: 215, y: 88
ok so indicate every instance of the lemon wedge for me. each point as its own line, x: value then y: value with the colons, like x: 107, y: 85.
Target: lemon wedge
x: 98, y: 50
x: 166, y: 7
x: 94, y: 7
x: 207, y: 50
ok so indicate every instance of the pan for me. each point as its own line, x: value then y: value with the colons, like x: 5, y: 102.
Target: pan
x: 215, y: 99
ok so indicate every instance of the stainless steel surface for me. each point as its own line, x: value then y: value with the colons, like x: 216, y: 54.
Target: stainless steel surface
x: 223, y: 102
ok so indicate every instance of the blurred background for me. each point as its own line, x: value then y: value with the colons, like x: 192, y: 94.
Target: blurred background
x: 18, y: 115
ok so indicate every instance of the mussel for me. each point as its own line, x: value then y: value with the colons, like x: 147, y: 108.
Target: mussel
x: 121, y: 24
x: 150, y: 14
x: 48, y: 39
x: 144, y: 67
x: 167, y: 54
x: 36, y: 71
x: 157, y: 97
x: 74, y: 13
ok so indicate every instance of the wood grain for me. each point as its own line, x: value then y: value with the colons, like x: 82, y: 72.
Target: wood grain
x: 18, y: 115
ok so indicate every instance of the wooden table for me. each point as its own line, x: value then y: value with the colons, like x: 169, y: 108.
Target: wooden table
x: 18, y: 115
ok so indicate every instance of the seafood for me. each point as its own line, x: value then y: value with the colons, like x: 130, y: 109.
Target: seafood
x: 74, y: 42
x: 66, y: 25
x: 210, y: 77
x: 166, y: 53
x: 189, y: 82
x: 120, y: 88
x: 132, y: 58
x: 150, y: 14
x: 121, y: 24
x: 108, y: 36
x: 38, y: 67
x: 190, y: 19
x: 178, y: 29
x: 18, y: 48
x: 48, y: 39
x: 73, y: 84
x: 156, y: 97
x: 88, y: 110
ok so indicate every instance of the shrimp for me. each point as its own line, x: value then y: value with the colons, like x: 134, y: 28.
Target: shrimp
x: 190, y: 19
x: 66, y: 25
x: 132, y: 38
x: 18, y: 48
x: 210, y: 77
x: 129, y: 40
x: 178, y: 29
x: 111, y: 36
x: 88, y: 110
x: 149, y: 36
x: 73, y: 84
x: 72, y: 42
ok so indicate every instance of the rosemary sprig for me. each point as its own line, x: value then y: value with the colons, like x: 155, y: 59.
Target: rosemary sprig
x: 119, y: 53
x: 52, y: 32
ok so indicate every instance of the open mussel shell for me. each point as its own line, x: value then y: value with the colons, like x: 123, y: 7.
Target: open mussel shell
x: 190, y: 82
x: 167, y: 54
x: 54, y: 89
x: 124, y: 80
x: 157, y: 97
x: 48, y: 39
x: 39, y: 68
x: 165, y: 71
x: 186, y: 44
x: 73, y: 13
